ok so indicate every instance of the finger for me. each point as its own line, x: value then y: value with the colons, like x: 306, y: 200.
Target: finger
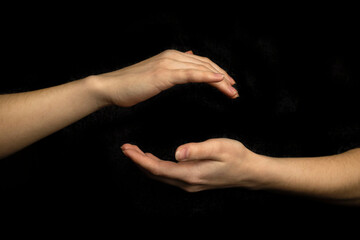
x: 209, y: 149
x: 186, y: 74
x: 189, y: 52
x: 190, y: 57
x: 226, y: 88
x: 181, y: 63
x: 133, y: 147
x: 175, y: 64
x: 181, y: 183
x: 152, y: 156
x: 207, y: 60
x: 207, y: 64
x: 167, y: 180
x: 182, y: 76
x: 156, y: 166
x: 203, y: 60
x: 141, y: 159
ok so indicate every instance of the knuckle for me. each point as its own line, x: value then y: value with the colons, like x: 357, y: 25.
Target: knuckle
x: 186, y: 74
x: 217, y: 146
x: 169, y: 52
x: 206, y: 59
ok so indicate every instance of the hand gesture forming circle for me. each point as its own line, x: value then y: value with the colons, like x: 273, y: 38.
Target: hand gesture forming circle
x: 200, y: 166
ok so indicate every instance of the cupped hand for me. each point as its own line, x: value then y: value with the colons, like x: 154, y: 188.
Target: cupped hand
x: 139, y: 82
x: 215, y: 163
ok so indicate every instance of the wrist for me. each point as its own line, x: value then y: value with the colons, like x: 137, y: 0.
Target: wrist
x: 95, y: 87
x: 259, y: 171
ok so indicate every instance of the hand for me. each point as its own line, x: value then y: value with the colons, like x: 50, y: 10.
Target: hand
x: 215, y: 163
x: 136, y: 83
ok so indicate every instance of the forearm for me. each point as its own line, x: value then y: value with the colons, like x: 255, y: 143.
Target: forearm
x: 27, y: 117
x: 334, y: 177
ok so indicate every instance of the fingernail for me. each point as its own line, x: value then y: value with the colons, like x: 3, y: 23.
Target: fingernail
x: 181, y: 154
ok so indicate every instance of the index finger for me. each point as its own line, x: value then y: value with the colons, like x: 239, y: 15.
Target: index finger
x: 197, y: 58
x: 157, y: 166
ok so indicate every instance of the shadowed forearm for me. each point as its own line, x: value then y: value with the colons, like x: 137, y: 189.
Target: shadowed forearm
x: 27, y: 117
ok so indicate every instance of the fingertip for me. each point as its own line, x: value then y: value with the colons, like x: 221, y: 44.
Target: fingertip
x: 234, y: 96
x: 126, y: 153
x: 177, y: 154
x: 134, y: 155
x: 182, y: 153
x: 125, y: 146
x: 233, y: 92
x: 215, y: 77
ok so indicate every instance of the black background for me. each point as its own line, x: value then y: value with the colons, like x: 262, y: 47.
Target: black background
x: 297, y: 76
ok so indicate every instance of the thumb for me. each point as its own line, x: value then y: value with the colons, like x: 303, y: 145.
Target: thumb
x: 197, y: 151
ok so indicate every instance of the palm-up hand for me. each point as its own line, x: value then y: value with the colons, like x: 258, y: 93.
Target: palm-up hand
x: 215, y: 163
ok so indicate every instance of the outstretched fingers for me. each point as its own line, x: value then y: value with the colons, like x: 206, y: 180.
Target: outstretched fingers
x: 215, y: 79
x: 195, y: 74
x: 187, y: 67
x: 153, y: 164
x: 183, y: 174
x: 190, y: 56
x: 225, y: 86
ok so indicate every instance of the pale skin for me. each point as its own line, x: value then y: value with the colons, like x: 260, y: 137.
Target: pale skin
x: 216, y: 163
x: 224, y: 163
x: 30, y: 116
